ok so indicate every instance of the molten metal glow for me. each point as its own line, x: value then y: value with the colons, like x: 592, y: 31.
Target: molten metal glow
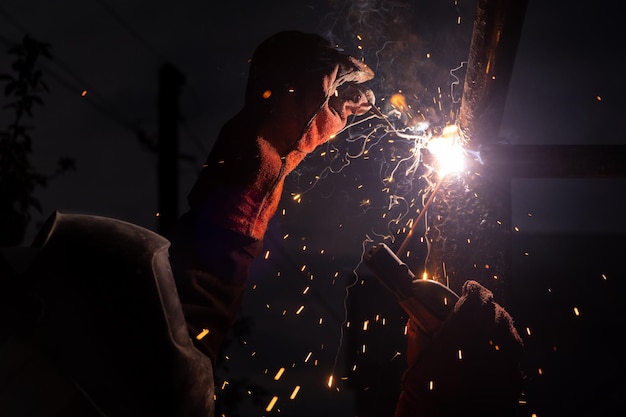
x: 448, y: 150
x: 398, y: 101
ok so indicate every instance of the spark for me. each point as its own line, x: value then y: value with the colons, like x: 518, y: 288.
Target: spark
x: 279, y: 374
x: 203, y: 333
x: 398, y: 101
x: 271, y: 403
x: 294, y: 393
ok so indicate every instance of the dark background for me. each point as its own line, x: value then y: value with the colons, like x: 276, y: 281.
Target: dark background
x: 566, y: 89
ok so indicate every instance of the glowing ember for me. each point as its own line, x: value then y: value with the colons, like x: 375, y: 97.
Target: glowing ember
x: 279, y: 374
x: 271, y: 404
x: 203, y: 333
x: 294, y: 393
x: 398, y: 101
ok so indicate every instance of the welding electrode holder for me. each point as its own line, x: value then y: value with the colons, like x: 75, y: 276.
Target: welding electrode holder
x: 428, y: 303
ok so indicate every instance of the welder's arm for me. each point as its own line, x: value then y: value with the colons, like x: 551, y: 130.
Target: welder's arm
x: 240, y: 185
x: 468, y: 367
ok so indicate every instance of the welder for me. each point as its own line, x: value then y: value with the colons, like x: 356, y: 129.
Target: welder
x: 99, y: 321
x: 300, y: 92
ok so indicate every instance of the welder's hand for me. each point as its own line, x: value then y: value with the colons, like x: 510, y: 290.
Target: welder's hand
x: 300, y: 92
x: 298, y: 96
x: 297, y: 83
x: 469, y: 367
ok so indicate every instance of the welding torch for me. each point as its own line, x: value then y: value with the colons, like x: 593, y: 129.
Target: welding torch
x: 427, y: 302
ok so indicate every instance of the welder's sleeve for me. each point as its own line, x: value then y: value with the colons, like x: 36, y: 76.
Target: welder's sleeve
x: 293, y: 104
x: 469, y: 367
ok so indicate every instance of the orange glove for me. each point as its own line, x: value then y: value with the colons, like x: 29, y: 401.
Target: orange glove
x: 300, y: 93
x: 469, y: 367
x: 292, y: 105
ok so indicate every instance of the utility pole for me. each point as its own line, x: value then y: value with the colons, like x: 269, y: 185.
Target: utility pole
x: 171, y: 82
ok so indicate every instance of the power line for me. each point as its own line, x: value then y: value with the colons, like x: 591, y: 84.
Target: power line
x: 103, y: 106
x: 13, y: 21
x: 131, y: 30
x: 92, y: 96
x: 139, y: 37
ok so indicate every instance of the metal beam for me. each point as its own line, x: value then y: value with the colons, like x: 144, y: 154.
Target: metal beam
x: 555, y: 161
x: 495, y: 37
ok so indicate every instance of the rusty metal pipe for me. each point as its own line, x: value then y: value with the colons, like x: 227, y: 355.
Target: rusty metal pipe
x: 495, y: 37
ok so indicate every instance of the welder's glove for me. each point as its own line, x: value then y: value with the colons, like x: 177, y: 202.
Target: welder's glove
x: 296, y: 99
x: 300, y: 93
x: 469, y: 367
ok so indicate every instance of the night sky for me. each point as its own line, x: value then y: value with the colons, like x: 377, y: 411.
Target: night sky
x: 566, y: 89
